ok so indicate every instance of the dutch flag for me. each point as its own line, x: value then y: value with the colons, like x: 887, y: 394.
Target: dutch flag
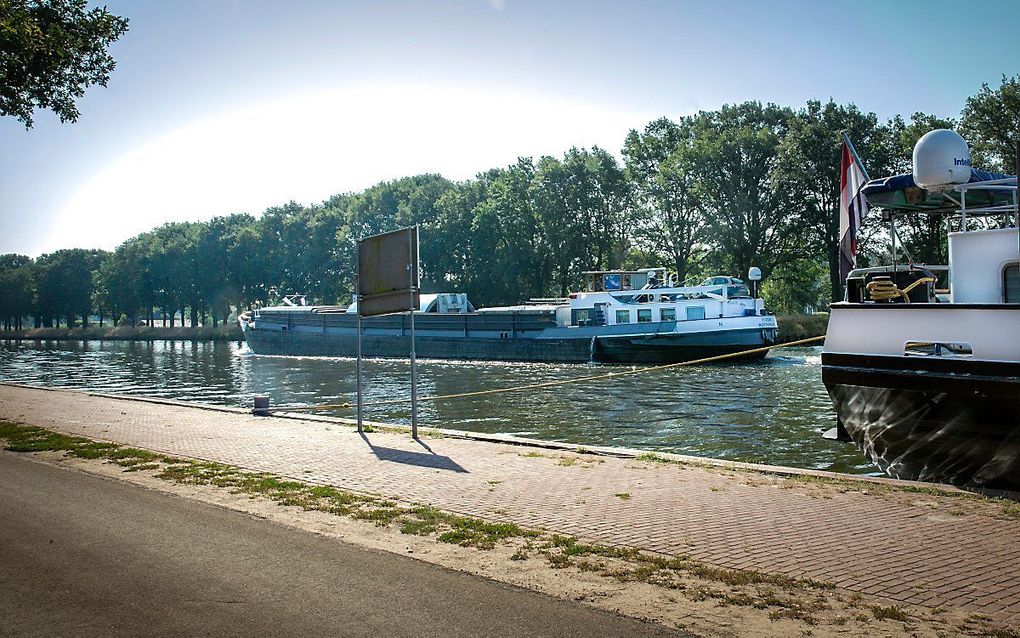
x: 853, y: 207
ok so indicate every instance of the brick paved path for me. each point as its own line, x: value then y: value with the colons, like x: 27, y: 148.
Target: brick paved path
x: 888, y: 546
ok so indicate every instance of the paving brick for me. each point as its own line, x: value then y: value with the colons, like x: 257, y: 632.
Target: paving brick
x: 861, y: 542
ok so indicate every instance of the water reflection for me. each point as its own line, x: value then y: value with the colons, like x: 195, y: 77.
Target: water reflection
x: 772, y: 411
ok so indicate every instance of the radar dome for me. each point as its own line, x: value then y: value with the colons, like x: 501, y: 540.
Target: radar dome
x: 941, y: 158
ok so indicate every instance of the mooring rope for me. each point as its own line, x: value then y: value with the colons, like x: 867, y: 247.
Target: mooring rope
x: 550, y: 384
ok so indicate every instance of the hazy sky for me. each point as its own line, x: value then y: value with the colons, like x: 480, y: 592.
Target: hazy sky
x: 221, y: 106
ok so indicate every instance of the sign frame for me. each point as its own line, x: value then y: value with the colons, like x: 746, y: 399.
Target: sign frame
x: 387, y: 281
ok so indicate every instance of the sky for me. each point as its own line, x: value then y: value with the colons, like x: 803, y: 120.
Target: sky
x: 225, y: 106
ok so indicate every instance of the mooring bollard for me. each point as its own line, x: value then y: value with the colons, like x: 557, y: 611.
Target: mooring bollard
x: 261, y: 405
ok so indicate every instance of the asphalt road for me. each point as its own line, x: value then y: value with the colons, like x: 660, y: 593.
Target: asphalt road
x: 84, y: 555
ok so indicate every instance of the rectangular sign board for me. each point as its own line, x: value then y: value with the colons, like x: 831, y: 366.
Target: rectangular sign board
x: 388, y: 273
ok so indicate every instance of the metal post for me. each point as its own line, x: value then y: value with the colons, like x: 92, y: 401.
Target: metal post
x: 892, y: 227
x: 963, y: 210
x: 414, y: 364
x: 357, y: 297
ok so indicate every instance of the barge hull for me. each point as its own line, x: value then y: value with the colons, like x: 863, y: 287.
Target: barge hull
x: 654, y: 349
x: 931, y: 419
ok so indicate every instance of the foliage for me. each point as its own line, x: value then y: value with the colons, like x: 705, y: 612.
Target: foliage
x: 808, y: 169
x: 711, y: 193
x: 799, y: 287
x: 747, y: 215
x: 50, y: 52
x: 661, y: 162
x: 990, y: 122
x: 17, y: 289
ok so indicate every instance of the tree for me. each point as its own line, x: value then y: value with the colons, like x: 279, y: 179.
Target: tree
x: 453, y: 264
x: 990, y: 125
x: 748, y: 214
x: 808, y: 168
x: 506, y: 233
x: 122, y: 277
x: 661, y: 164
x: 65, y: 285
x: 50, y: 52
x: 17, y: 289
x: 582, y: 204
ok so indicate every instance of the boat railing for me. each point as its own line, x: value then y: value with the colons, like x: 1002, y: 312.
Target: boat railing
x: 1008, y: 184
x: 719, y: 292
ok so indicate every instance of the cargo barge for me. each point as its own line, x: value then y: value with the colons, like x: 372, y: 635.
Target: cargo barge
x: 622, y: 317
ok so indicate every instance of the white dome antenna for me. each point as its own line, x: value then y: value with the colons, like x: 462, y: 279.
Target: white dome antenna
x: 941, y: 159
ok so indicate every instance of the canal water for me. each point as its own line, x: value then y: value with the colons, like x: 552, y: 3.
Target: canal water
x: 772, y: 411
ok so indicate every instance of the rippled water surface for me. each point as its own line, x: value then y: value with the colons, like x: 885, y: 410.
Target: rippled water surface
x: 773, y: 411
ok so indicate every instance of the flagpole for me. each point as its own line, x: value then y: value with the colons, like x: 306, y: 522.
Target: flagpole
x: 857, y: 158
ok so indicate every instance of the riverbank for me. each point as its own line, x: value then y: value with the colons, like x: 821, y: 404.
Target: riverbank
x: 229, y: 331
x: 796, y: 327
x: 732, y: 549
x: 791, y: 328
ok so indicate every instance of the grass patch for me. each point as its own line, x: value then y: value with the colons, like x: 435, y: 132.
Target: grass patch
x: 792, y: 614
x: 892, y: 612
x: 651, y: 457
x: 623, y: 496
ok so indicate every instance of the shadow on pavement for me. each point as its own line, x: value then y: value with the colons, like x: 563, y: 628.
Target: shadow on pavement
x: 422, y: 459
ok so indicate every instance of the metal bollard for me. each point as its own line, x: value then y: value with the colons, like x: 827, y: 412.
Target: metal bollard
x: 261, y: 405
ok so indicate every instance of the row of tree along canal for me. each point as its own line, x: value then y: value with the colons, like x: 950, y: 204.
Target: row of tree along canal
x: 714, y: 192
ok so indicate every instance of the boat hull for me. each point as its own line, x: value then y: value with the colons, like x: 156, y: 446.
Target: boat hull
x: 937, y: 419
x: 610, y: 349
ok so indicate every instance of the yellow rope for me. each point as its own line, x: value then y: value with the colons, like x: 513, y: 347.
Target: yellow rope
x: 884, y: 289
x: 550, y: 384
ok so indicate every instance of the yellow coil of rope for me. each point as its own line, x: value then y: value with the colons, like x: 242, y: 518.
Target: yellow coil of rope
x: 885, y: 289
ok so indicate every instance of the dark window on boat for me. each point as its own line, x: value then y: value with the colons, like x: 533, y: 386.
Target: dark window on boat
x: 668, y: 314
x: 582, y: 316
x: 623, y: 316
x: 644, y: 315
x: 695, y: 312
x: 1011, y: 283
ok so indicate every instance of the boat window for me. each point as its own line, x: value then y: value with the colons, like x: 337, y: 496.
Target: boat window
x: 623, y: 316
x: 937, y: 349
x: 695, y: 312
x: 668, y: 314
x: 582, y: 316
x: 1011, y: 283
x: 644, y: 315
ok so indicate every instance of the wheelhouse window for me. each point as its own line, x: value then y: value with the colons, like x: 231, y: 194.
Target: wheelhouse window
x: 582, y: 316
x: 695, y: 312
x: 1011, y: 283
x: 667, y: 314
x: 644, y: 315
x: 623, y: 316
